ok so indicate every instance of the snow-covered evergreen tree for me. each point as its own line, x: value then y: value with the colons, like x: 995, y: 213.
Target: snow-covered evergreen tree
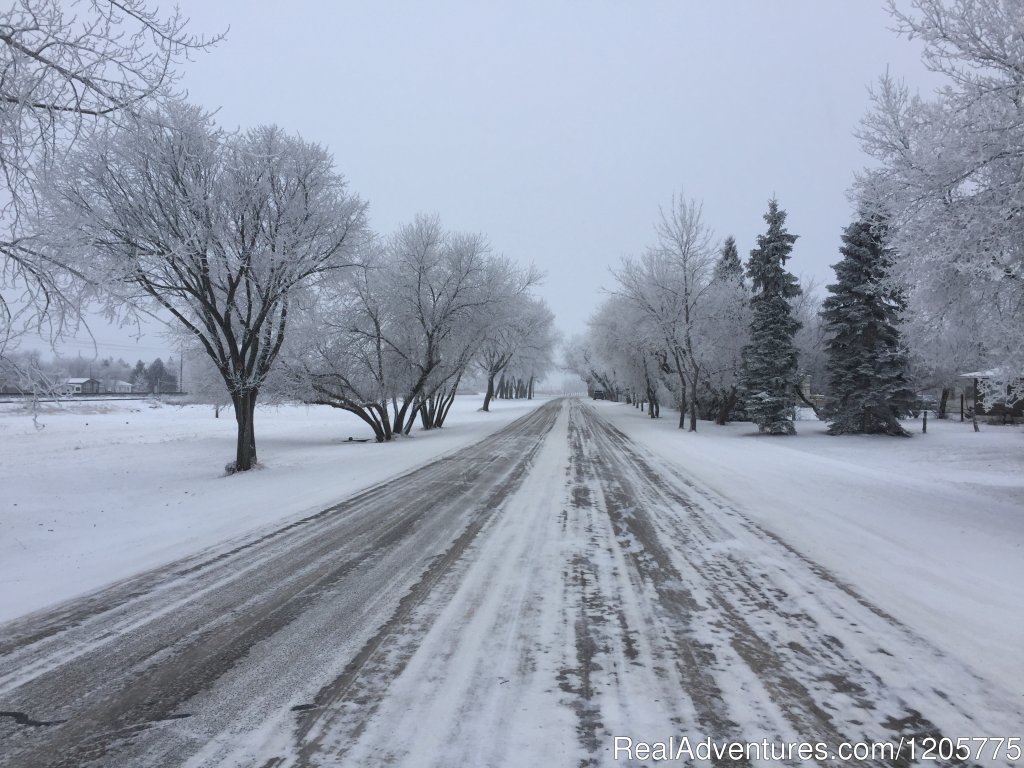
x: 770, y: 359
x: 867, y: 362
x: 729, y: 267
x: 724, y: 329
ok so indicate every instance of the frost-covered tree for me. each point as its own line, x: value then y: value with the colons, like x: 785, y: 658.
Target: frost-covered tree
x: 523, y: 338
x: 66, y: 70
x: 535, y: 357
x: 583, y: 358
x: 950, y: 179
x: 770, y: 359
x: 452, y: 291
x: 220, y: 231
x: 391, y: 342
x: 724, y: 327
x: 621, y: 333
x: 341, y: 353
x: 867, y: 361
x: 729, y: 267
x: 669, y: 284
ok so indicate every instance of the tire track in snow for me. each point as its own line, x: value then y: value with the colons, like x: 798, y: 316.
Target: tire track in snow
x: 694, y: 693
x: 387, y: 653
x: 531, y: 648
x: 827, y: 664
x: 444, y: 685
x: 234, y: 636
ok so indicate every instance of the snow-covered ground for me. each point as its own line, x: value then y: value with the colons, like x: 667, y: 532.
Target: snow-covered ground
x: 100, y: 491
x: 930, y: 528
x: 584, y: 576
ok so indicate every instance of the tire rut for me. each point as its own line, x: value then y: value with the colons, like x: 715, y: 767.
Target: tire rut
x: 345, y: 704
x: 105, y: 670
x: 727, y: 608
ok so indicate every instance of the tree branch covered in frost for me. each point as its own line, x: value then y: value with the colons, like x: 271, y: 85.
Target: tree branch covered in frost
x: 951, y: 181
x: 66, y: 70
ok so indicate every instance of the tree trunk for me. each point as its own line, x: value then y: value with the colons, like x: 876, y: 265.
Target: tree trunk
x: 385, y: 422
x: 405, y: 416
x: 529, y: 392
x: 411, y: 421
x: 808, y: 403
x: 375, y: 417
x: 427, y: 414
x: 693, y: 405
x: 974, y: 410
x: 943, y: 402
x: 727, y: 405
x: 490, y: 393
x: 446, y: 402
x: 245, y: 445
x: 682, y: 400
x: 398, y: 426
x: 447, y: 405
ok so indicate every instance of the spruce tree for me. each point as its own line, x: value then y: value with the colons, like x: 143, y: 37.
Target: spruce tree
x: 769, y: 360
x: 867, y: 361
x: 729, y: 267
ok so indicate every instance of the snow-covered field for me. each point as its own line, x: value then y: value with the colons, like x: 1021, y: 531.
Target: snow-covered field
x: 930, y: 528
x: 100, y: 491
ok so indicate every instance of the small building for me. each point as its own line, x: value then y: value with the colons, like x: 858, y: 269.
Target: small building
x: 997, y: 397
x: 121, y: 387
x: 80, y: 386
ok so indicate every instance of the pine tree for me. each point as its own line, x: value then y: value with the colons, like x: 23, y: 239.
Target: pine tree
x: 729, y: 266
x: 769, y: 360
x: 867, y: 361
x: 140, y: 378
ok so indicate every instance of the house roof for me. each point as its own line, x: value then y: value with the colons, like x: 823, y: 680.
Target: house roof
x: 992, y: 373
x: 79, y: 380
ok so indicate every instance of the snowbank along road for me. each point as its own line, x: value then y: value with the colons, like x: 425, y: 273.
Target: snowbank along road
x: 522, y: 602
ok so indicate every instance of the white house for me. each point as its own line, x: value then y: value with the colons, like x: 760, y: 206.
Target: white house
x: 80, y: 386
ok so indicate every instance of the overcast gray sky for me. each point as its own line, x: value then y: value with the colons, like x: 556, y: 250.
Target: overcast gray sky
x: 558, y: 128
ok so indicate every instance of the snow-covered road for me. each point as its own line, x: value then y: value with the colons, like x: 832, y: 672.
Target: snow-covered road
x: 520, y: 603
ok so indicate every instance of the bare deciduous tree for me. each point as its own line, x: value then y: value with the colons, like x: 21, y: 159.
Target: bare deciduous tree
x: 523, y: 338
x: 219, y: 231
x: 668, y: 284
x: 392, y: 343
